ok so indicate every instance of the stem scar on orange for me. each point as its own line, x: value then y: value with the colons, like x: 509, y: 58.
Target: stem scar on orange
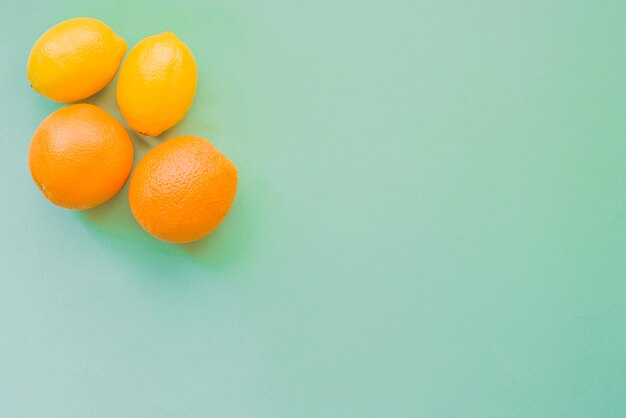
x: 182, y: 189
x: 80, y: 156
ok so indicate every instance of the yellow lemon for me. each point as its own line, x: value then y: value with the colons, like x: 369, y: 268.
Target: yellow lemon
x: 75, y: 59
x: 157, y: 84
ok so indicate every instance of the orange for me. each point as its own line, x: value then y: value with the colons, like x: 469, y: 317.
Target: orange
x: 80, y: 156
x: 182, y: 189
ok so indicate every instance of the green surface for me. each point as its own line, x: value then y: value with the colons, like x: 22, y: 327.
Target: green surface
x: 431, y: 220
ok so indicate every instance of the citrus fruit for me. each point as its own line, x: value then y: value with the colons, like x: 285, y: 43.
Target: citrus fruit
x: 157, y: 84
x: 182, y: 189
x: 75, y: 59
x: 80, y: 156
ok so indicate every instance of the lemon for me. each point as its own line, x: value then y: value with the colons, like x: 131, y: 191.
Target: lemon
x: 75, y: 59
x: 157, y: 84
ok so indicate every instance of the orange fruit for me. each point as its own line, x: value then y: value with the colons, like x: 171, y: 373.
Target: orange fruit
x: 80, y: 156
x: 182, y: 189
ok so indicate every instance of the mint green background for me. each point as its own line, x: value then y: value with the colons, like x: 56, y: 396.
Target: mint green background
x: 431, y: 220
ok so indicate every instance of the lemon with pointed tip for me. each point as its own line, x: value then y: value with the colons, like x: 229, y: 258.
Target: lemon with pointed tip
x: 157, y: 84
x: 75, y: 59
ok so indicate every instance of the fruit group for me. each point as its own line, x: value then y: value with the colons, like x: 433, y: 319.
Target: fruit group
x: 157, y: 84
x: 80, y: 156
x: 75, y: 59
x: 182, y: 189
